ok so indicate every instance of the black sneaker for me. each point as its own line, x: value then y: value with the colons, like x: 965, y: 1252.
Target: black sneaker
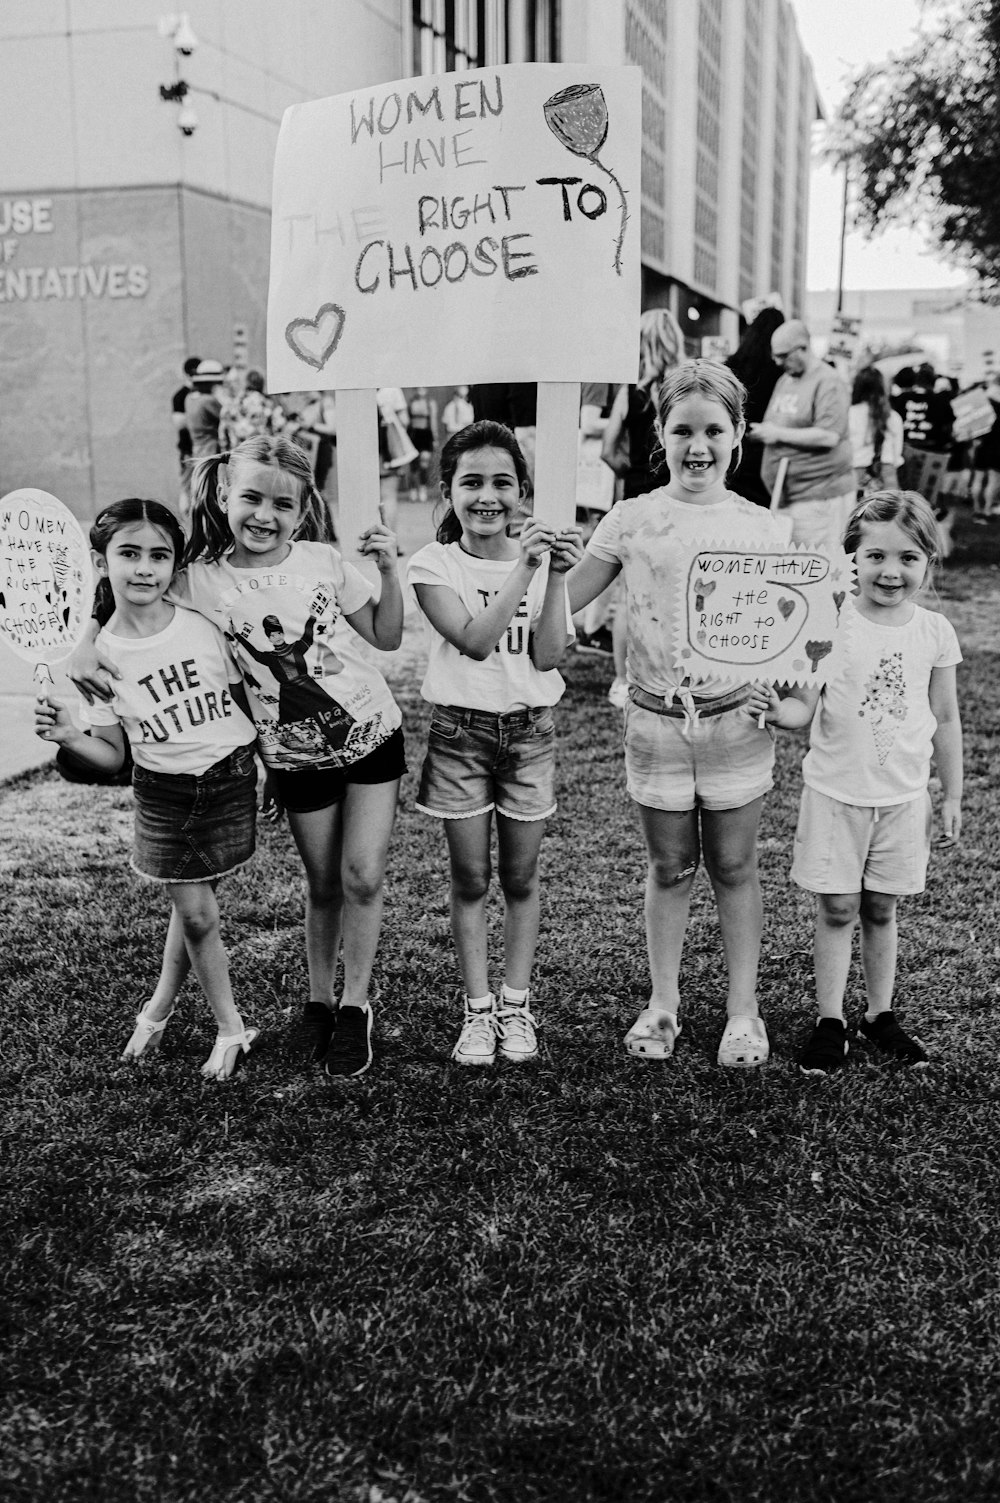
x: 598, y: 642
x: 315, y: 1031
x: 826, y: 1048
x: 350, y: 1051
x: 890, y: 1039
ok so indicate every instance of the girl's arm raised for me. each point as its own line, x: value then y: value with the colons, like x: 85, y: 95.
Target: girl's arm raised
x: 104, y: 749
x: 588, y: 578
x: 948, y: 748
x: 474, y: 636
x: 381, y: 622
x: 549, y: 637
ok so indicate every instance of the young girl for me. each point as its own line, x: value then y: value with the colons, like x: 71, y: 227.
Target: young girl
x: 178, y: 696
x: 498, y: 625
x: 863, y: 838
x: 697, y: 762
x: 329, y: 729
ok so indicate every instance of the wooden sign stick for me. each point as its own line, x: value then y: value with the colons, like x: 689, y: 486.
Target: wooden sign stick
x: 357, y: 467
x: 556, y: 452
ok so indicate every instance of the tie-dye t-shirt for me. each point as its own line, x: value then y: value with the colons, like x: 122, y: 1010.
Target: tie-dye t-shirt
x: 645, y: 535
x: 872, y: 734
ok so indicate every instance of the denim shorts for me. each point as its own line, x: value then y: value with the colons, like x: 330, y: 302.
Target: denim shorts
x: 195, y: 827
x: 477, y: 761
x: 847, y: 848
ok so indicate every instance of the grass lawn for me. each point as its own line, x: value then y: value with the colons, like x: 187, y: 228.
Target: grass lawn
x: 587, y: 1279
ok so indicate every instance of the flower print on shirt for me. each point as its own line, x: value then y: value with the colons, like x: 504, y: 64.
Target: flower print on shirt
x: 884, y: 703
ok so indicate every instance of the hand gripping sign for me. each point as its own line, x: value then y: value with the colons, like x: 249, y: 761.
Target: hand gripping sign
x: 460, y: 228
x: 46, y: 589
x: 772, y: 614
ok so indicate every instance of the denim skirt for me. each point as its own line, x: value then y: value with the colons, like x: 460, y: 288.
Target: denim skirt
x: 195, y: 827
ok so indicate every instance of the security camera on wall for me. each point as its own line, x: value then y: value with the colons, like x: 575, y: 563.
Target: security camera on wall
x: 187, y: 120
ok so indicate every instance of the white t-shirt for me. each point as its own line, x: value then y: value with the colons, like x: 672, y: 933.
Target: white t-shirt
x: 645, y: 534
x: 862, y: 438
x: 173, y: 697
x: 871, y: 737
x: 315, y: 699
x: 507, y: 679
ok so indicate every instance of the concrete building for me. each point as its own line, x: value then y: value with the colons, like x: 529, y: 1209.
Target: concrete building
x: 134, y: 211
x: 957, y: 334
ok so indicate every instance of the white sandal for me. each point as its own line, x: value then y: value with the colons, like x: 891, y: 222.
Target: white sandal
x: 653, y: 1034
x: 214, y: 1067
x: 146, y: 1036
x: 744, y: 1043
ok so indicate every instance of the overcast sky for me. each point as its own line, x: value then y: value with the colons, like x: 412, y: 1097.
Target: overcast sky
x: 840, y: 36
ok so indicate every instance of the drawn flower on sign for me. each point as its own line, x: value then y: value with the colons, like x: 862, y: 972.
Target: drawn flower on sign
x: 817, y: 651
x: 578, y: 117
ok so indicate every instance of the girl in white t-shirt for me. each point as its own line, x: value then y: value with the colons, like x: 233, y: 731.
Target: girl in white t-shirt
x: 259, y: 564
x: 178, y: 696
x: 697, y: 762
x: 498, y: 624
x: 863, y: 838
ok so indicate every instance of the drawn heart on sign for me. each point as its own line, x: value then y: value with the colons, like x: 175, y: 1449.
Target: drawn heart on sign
x: 786, y: 607
x: 315, y: 339
x: 838, y: 600
x: 700, y: 638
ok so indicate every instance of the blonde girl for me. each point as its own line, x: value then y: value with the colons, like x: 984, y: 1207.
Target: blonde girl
x: 697, y: 763
x: 863, y: 838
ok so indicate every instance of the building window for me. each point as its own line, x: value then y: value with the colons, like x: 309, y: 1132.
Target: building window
x: 453, y: 35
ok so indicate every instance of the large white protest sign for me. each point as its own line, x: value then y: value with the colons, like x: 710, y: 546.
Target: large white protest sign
x: 465, y: 227
x: 774, y: 614
x: 46, y: 591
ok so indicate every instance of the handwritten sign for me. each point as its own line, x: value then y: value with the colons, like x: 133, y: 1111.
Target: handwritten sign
x: 46, y: 592
x: 748, y: 613
x: 845, y: 332
x: 478, y: 226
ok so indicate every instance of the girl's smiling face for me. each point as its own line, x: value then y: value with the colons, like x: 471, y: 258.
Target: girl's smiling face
x: 891, y: 568
x: 698, y: 440
x: 486, y: 496
x: 263, y: 505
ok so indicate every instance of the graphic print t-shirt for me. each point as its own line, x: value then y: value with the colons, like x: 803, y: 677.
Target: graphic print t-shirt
x: 871, y: 737
x: 173, y: 698
x: 506, y: 679
x: 645, y: 534
x: 316, y: 701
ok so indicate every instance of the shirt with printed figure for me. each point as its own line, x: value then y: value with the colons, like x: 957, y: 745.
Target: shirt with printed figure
x: 506, y: 679
x: 648, y: 535
x: 173, y: 698
x: 316, y: 700
x: 871, y: 738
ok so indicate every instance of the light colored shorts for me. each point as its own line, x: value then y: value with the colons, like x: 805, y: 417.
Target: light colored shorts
x: 820, y: 523
x: 846, y: 848
x: 719, y: 762
x: 477, y: 761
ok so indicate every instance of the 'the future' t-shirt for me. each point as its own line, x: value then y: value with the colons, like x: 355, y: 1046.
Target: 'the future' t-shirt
x: 173, y: 698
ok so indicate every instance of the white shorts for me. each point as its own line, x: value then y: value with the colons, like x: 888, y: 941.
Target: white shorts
x: 846, y: 848
x: 719, y: 762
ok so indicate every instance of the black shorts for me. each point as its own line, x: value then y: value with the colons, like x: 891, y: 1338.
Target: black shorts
x: 319, y: 788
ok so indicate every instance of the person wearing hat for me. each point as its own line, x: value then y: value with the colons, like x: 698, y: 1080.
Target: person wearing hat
x: 204, y: 407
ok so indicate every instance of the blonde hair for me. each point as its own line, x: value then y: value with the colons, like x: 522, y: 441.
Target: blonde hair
x: 703, y: 378
x: 661, y: 346
x: 210, y: 537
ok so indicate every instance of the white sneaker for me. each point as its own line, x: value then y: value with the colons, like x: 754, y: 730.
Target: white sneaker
x: 618, y: 694
x: 516, y: 1028
x: 477, y: 1042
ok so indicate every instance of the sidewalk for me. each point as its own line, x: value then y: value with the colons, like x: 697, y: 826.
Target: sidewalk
x: 20, y: 748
